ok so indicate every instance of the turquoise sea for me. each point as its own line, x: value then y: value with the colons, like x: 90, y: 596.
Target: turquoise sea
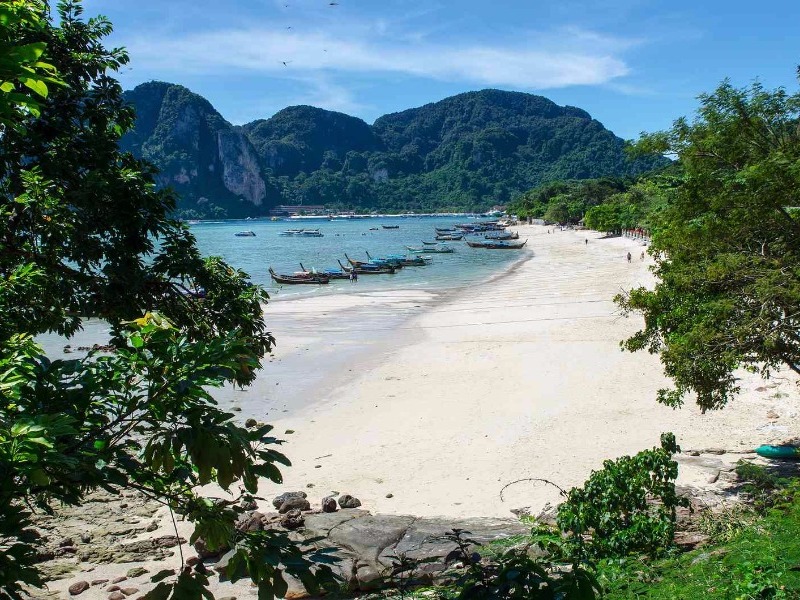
x: 353, y: 237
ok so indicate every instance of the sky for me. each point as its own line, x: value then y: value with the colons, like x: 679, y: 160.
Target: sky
x: 634, y: 65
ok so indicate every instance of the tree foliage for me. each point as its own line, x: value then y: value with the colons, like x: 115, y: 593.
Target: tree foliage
x: 726, y: 246
x: 85, y: 233
x: 629, y: 506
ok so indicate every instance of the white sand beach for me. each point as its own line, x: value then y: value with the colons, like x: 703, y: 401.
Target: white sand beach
x: 522, y: 377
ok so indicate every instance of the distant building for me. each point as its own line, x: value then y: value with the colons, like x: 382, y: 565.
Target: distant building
x: 285, y: 210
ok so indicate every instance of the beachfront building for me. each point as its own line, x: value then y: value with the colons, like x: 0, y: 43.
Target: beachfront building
x: 287, y: 210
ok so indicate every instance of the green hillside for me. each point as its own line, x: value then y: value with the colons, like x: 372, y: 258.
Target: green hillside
x: 466, y: 152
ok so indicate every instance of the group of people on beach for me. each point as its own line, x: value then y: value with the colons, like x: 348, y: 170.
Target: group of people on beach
x: 641, y: 257
x: 353, y: 275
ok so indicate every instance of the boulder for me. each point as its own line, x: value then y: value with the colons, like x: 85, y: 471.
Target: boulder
x: 203, y: 551
x: 137, y: 572
x: 294, y: 503
x: 78, y: 588
x: 279, y: 500
x: 252, y: 522
x: 329, y: 504
x: 117, y: 595
x: 348, y: 501
x: 292, y: 520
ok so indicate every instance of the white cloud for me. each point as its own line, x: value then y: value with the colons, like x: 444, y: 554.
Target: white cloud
x: 560, y: 58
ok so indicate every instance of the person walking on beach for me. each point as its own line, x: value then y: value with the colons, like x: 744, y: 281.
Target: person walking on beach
x: 629, y: 257
x: 642, y: 256
x: 586, y: 241
x: 354, y: 276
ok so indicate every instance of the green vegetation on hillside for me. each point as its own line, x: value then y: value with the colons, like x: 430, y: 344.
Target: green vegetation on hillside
x: 467, y: 152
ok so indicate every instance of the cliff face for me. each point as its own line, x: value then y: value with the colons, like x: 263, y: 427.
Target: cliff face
x: 210, y: 163
x: 468, y: 151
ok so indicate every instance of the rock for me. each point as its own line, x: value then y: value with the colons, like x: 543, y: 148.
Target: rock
x: 66, y: 542
x: 236, y: 409
x: 119, y: 579
x: 112, y: 588
x: 279, y: 500
x: 524, y: 511
x: 86, y: 538
x: 192, y: 561
x: 251, y: 423
x: 716, y: 451
x: 152, y: 527
x: 78, y: 588
x: 772, y: 415
x: 65, y: 550
x: 348, y: 501
x: 227, y: 598
x: 713, y: 478
x: 329, y: 504
x: 548, y: 515
x: 99, y: 582
x: 293, y: 520
x: 117, y: 595
x: 294, y: 503
x: 251, y: 522
x: 137, y: 572
x: 694, y: 453
x: 129, y: 591
x: 390, y: 495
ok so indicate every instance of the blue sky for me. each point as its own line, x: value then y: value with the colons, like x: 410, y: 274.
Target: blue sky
x: 635, y: 65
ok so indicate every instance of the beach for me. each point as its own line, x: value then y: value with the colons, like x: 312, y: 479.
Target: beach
x: 521, y: 377
x: 428, y: 403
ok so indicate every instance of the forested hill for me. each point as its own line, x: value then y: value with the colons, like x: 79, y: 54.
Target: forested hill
x: 467, y: 152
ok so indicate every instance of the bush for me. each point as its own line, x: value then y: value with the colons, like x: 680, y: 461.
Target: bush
x: 628, y: 506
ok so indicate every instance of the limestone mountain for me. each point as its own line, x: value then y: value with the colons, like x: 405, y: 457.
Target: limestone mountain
x: 468, y: 151
x: 210, y: 163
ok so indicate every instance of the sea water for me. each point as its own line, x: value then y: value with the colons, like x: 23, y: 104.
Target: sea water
x: 351, y: 237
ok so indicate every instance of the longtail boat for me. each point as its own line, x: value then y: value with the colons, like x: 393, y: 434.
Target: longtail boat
x: 373, y: 264
x: 399, y: 260
x: 439, y: 250
x: 387, y: 270
x: 451, y: 237
x: 497, y: 245
x: 430, y: 243
x: 329, y: 273
x: 391, y: 226
x: 299, y: 279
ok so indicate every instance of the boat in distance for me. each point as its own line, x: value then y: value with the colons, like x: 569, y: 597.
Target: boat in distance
x: 301, y: 233
x: 449, y: 237
x: 245, y: 234
x: 497, y: 245
x: 399, y: 260
x: 439, y: 250
x: 391, y: 226
x: 370, y: 269
x: 309, y: 279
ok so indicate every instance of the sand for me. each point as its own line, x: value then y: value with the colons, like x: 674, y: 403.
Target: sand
x: 520, y: 377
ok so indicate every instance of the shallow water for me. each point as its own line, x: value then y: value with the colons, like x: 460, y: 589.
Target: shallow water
x: 353, y: 237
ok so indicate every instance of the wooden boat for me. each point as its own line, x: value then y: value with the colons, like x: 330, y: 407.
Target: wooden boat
x: 311, y: 278
x: 329, y: 273
x: 398, y: 260
x: 391, y: 226
x: 387, y: 270
x: 430, y: 243
x: 439, y: 250
x: 245, y: 234
x: 446, y: 230
x: 450, y: 238
x: 373, y: 263
x: 497, y: 245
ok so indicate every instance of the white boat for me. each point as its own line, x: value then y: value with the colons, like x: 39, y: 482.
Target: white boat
x: 301, y: 233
